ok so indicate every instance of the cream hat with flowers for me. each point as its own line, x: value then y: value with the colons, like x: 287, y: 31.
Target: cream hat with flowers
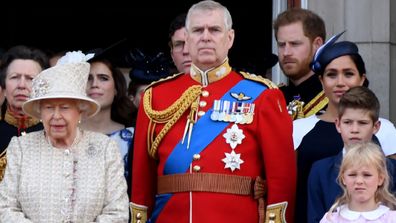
x: 67, y: 79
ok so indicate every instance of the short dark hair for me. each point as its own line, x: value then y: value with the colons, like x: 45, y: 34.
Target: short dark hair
x: 24, y: 53
x: 177, y: 23
x: 313, y: 24
x: 359, y: 62
x: 360, y: 97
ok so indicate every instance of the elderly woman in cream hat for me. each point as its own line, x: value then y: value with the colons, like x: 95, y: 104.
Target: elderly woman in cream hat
x: 63, y: 174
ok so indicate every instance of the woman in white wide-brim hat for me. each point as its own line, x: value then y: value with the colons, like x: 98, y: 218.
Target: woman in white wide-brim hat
x: 63, y: 174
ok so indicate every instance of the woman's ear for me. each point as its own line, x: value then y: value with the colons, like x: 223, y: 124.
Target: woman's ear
x: 363, y: 79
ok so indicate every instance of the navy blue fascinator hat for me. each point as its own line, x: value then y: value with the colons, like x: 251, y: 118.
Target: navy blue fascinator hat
x: 147, y: 68
x: 331, y: 50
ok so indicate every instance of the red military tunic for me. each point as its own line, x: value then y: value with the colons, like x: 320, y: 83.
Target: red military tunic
x: 266, y: 150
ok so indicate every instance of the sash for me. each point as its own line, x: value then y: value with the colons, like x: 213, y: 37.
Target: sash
x: 316, y: 104
x: 204, y: 132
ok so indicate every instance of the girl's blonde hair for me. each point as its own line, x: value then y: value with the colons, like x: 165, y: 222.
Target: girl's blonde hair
x: 360, y: 154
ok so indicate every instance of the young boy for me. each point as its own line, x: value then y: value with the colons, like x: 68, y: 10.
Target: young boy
x: 358, y: 121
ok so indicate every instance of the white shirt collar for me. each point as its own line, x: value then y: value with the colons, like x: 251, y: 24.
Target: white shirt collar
x: 346, y: 213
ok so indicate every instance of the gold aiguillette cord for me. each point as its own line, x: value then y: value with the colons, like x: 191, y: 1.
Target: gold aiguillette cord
x: 191, y: 120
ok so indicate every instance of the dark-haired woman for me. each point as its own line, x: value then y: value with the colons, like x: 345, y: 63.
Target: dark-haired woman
x: 107, y: 85
x: 20, y: 64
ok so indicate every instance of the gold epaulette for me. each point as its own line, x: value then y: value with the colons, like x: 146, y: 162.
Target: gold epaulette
x: 260, y: 79
x: 281, y: 85
x: 3, y: 164
x: 138, y: 213
x: 12, y: 120
x: 164, y: 79
x: 168, y: 116
x: 276, y: 213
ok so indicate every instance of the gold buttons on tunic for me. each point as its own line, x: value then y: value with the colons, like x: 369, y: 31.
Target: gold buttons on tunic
x: 201, y: 113
x: 205, y: 93
x: 138, y: 216
x: 196, y: 157
x: 196, y: 168
x: 202, y: 104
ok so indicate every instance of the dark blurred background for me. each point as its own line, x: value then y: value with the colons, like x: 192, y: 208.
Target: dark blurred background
x: 145, y: 26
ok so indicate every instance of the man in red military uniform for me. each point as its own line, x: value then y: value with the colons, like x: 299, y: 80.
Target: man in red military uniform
x: 214, y: 145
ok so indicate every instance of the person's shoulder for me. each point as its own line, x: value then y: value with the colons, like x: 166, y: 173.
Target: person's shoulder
x: 325, y: 163
x: 4, y: 124
x: 301, y: 127
x: 96, y: 135
x: 386, y: 214
x: 283, y: 87
x: 98, y: 139
x: 165, y: 80
x: 386, y: 124
x: 28, y: 141
x: 130, y: 129
x: 125, y: 134
x: 387, y: 136
x: 30, y: 135
x: 391, y: 163
x: 308, y: 121
x: 330, y: 217
x: 391, y: 214
x: 259, y: 79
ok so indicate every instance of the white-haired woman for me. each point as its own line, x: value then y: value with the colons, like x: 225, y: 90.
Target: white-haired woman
x: 63, y: 174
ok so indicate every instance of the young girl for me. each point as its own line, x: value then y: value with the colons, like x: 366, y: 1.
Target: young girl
x: 365, y: 180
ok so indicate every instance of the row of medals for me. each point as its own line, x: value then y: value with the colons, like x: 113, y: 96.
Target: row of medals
x: 237, y: 112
